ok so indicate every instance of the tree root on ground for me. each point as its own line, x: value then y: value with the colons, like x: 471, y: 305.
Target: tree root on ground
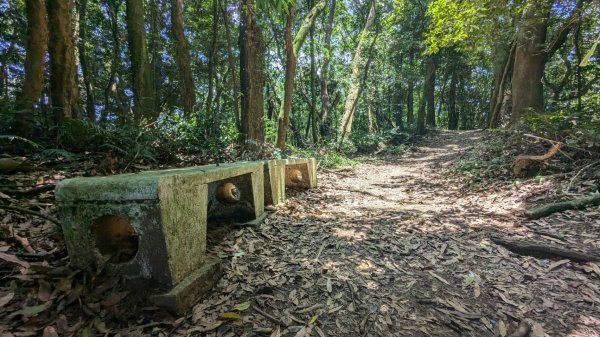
x: 542, y: 250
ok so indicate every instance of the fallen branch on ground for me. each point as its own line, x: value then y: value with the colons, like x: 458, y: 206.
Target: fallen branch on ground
x: 334, y: 172
x: 31, y: 191
x: 30, y: 212
x: 538, y: 249
x: 545, y: 210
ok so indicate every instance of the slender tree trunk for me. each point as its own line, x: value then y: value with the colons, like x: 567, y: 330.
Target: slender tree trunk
x: 410, y: 91
x: 292, y: 47
x: 252, y: 78
x: 88, y: 78
x: 530, y: 60
x: 355, y: 83
x: 63, y: 86
x: 500, y: 96
x: 212, y: 59
x: 182, y: 57
x: 288, y: 88
x: 141, y: 71
x: 399, y: 101
x: 314, y: 115
x: 430, y: 91
x: 452, y: 113
x: 231, y: 60
x: 35, y: 46
x: 325, y: 101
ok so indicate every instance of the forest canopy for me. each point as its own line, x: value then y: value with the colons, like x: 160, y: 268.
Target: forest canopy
x: 196, y: 76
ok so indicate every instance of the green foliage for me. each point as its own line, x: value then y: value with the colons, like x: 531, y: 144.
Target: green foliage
x: 331, y: 159
x: 577, y: 128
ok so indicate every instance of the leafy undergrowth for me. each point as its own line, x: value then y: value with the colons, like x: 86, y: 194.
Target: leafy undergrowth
x: 492, y: 161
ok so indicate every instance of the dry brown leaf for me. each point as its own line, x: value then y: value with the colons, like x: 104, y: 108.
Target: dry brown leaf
x: 5, y: 298
x: 276, y: 332
x: 557, y: 264
x: 50, y: 331
x: 13, y: 259
x: 114, y: 298
x: 502, y: 328
x: 441, y: 279
x: 44, y: 291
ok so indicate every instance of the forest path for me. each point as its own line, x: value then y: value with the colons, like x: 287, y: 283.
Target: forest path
x: 395, y: 247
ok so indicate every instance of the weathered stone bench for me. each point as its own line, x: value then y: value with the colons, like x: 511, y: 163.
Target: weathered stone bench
x: 151, y: 226
x: 290, y: 173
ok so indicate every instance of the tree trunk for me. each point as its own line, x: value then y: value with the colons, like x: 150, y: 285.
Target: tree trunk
x: 355, y: 83
x: 452, y: 112
x: 430, y: 91
x: 314, y: 116
x: 530, y: 60
x: 113, y: 89
x: 410, y: 92
x: 141, y: 71
x: 499, y: 98
x: 33, y: 84
x: 231, y: 60
x: 212, y: 60
x: 252, y: 76
x: 63, y: 87
x: 325, y: 102
x: 399, y: 102
x: 427, y: 98
x: 88, y: 78
x: 182, y: 57
x: 290, y: 70
x: 291, y: 50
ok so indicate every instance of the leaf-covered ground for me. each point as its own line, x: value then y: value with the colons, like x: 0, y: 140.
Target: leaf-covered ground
x: 394, y: 247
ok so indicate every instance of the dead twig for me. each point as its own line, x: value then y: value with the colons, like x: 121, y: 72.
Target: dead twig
x: 269, y: 316
x: 31, y: 191
x: 30, y: 212
x: 578, y: 173
x: 338, y: 173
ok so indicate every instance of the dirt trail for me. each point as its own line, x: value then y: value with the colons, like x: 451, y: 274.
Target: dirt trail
x: 395, y: 248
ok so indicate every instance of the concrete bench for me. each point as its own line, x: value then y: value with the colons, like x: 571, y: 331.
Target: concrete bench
x: 287, y: 173
x: 151, y: 226
x: 301, y: 173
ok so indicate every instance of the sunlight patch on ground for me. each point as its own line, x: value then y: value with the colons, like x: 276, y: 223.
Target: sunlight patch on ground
x: 587, y: 326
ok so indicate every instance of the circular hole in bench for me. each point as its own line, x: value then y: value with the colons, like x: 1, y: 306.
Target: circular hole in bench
x: 115, y: 238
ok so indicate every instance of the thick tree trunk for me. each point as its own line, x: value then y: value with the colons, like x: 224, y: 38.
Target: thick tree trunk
x: 325, y: 99
x: 35, y: 46
x: 231, y: 61
x: 530, y: 60
x: 88, y: 77
x: 291, y: 50
x: 427, y: 98
x: 430, y: 91
x: 355, y: 82
x: 63, y: 87
x: 252, y: 78
x: 141, y: 71
x: 182, y: 57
